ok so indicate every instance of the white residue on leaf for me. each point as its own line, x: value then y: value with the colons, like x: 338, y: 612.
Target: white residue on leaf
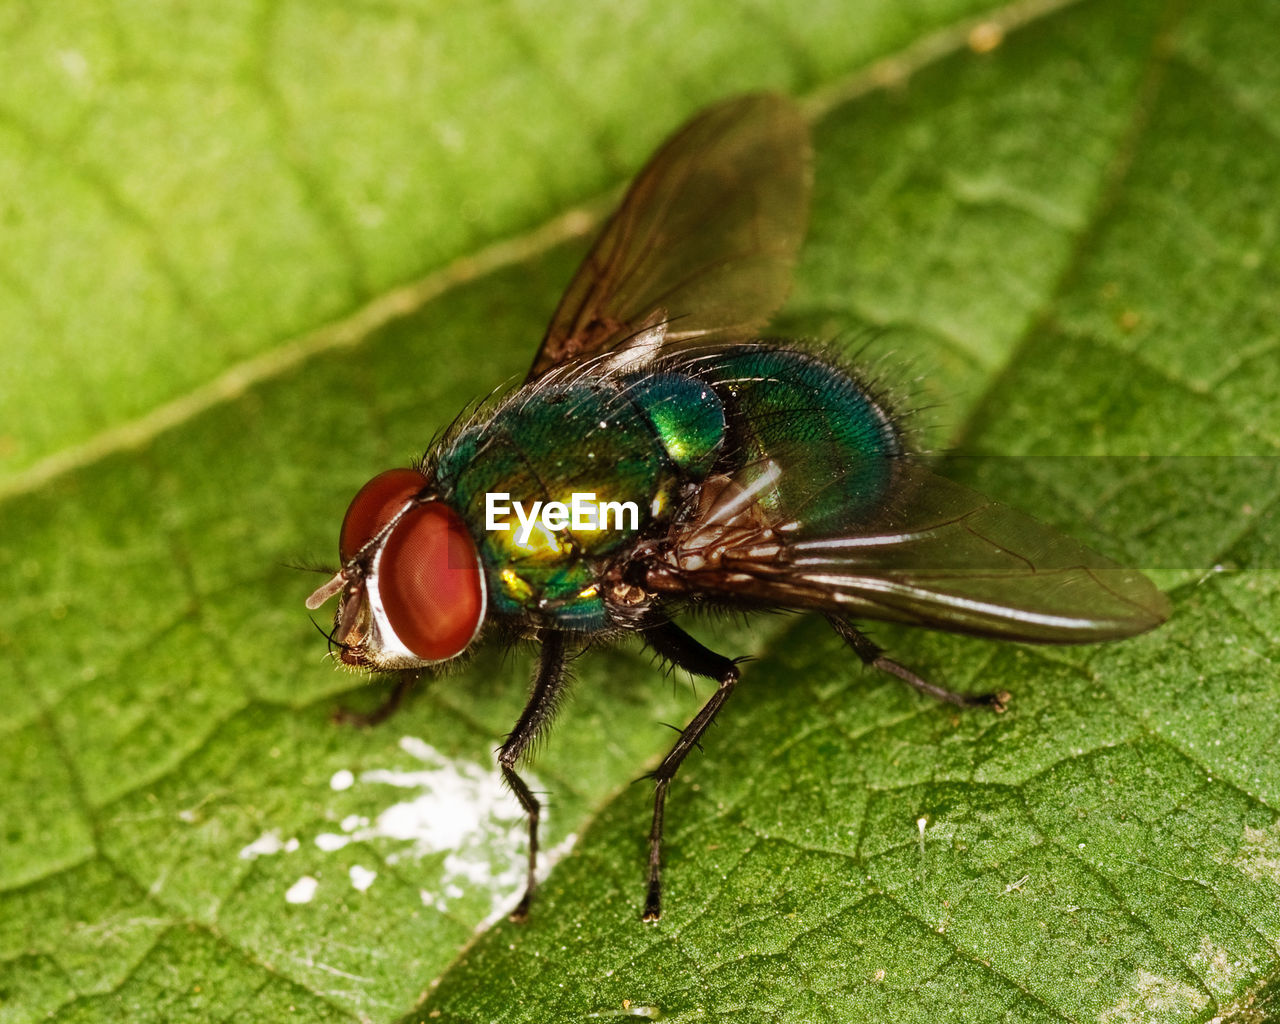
x: 460, y: 809
x: 1259, y: 854
x: 457, y: 809
x: 302, y: 890
x: 1155, y: 997
x: 330, y: 841
x: 1221, y: 974
x: 268, y: 843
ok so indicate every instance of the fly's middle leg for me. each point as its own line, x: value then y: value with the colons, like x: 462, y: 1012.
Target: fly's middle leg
x: 683, y: 651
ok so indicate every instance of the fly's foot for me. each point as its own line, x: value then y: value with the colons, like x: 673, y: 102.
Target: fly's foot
x: 997, y: 701
x: 521, y: 912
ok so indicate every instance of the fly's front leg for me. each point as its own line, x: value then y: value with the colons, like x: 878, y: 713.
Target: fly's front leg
x: 873, y: 654
x: 346, y: 716
x: 683, y: 651
x: 548, y: 687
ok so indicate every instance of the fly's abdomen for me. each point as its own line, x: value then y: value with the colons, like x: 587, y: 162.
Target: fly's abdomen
x: 821, y: 432
x: 619, y: 448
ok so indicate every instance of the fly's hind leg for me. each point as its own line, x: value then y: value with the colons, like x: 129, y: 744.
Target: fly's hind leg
x: 548, y: 688
x: 683, y: 651
x: 872, y: 654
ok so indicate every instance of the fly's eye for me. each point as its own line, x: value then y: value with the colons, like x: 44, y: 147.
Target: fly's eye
x: 375, y: 505
x: 430, y: 583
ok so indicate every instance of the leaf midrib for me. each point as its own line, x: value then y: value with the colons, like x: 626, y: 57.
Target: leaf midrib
x: 402, y: 301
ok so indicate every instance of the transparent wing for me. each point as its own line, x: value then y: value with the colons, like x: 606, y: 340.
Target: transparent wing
x: 941, y: 556
x: 706, y: 237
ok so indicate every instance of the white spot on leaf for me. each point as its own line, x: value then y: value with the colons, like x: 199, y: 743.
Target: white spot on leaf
x: 457, y: 809
x: 1155, y: 998
x: 302, y: 891
x: 1221, y: 974
x: 1259, y: 855
x: 266, y: 844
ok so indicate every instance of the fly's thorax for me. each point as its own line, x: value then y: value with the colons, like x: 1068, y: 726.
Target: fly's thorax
x: 631, y: 443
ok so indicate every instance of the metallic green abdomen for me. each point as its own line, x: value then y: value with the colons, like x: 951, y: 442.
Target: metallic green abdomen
x: 824, y: 433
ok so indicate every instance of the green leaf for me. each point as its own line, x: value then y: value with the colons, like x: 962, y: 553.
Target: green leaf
x: 254, y: 254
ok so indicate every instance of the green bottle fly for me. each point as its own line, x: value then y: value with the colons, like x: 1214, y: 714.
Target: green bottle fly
x: 660, y: 454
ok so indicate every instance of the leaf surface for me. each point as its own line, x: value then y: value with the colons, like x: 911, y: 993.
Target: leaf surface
x: 254, y: 255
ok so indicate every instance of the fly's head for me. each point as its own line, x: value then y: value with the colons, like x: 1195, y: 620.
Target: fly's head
x: 411, y: 589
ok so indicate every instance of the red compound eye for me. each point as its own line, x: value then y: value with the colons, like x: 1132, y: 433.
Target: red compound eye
x: 376, y: 504
x: 430, y: 583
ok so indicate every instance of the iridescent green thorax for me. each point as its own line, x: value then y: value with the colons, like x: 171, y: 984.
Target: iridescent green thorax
x: 826, y: 433
x: 624, y: 439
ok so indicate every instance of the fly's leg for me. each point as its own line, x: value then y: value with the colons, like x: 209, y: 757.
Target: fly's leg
x: 683, y: 651
x: 345, y: 716
x: 548, y: 688
x: 872, y: 654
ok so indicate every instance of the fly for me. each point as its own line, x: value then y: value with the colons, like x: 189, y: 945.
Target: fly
x: 762, y: 475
